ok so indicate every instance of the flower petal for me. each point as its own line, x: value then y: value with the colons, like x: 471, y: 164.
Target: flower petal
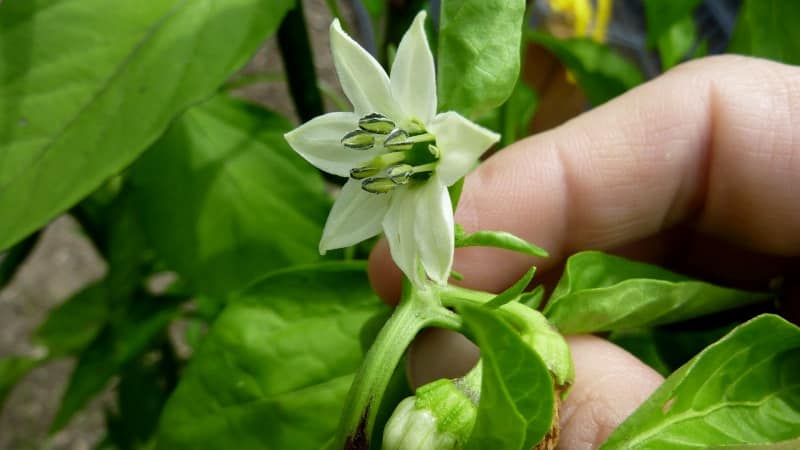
x: 319, y: 142
x: 413, y: 75
x: 461, y: 142
x: 434, y: 229
x: 363, y: 80
x: 357, y: 215
x: 398, y: 227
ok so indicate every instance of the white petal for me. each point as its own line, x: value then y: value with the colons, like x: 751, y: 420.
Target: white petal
x: 398, y: 227
x: 433, y: 229
x: 357, y: 215
x: 363, y: 80
x: 319, y: 141
x: 413, y: 74
x: 461, y: 142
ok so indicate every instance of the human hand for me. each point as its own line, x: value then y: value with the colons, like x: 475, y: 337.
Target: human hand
x: 699, y: 168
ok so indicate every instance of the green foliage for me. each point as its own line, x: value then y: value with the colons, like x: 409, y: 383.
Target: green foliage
x: 498, y: 239
x: 275, y: 367
x: 513, y: 292
x: 479, y: 53
x: 600, y: 292
x: 744, y: 389
x: 246, y: 204
x: 75, y: 323
x: 517, y: 113
x: 517, y: 398
x: 768, y: 28
x: 662, y: 15
x: 12, y: 369
x: 676, y: 43
x: 68, y: 68
x: 601, y: 73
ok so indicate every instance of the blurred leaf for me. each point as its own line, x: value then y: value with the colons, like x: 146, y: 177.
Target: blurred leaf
x: 600, y: 292
x: 768, y: 29
x: 662, y: 15
x: 87, y: 86
x: 517, y: 113
x: 479, y: 53
x: 744, y: 389
x: 12, y: 370
x: 245, y: 204
x: 74, y: 324
x: 275, y: 367
x: 517, y: 397
x: 11, y: 260
x: 676, y: 43
x: 601, y: 73
x: 112, y: 349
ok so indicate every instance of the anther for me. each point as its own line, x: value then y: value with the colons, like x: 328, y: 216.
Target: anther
x: 378, y: 185
x: 400, y: 173
x: 376, y: 123
x: 398, y: 140
x: 435, y: 151
x: 359, y: 173
x: 358, y: 140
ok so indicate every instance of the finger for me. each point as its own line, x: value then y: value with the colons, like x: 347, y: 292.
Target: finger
x: 713, y: 141
x: 609, y: 385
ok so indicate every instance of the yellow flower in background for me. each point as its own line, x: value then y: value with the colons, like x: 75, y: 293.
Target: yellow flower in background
x: 587, y: 20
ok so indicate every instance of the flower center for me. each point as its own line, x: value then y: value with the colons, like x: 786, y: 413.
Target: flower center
x: 410, y: 156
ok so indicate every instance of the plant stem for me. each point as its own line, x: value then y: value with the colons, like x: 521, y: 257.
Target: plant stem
x: 299, y: 64
x: 418, y: 310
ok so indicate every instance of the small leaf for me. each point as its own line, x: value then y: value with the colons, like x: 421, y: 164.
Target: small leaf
x: 601, y: 72
x: 533, y: 299
x: 514, y: 291
x: 246, y: 203
x: 479, y: 53
x: 743, y: 389
x: 676, y: 43
x: 455, y: 192
x: 517, y: 397
x: 74, y: 324
x: 12, y: 370
x: 768, y: 29
x: 600, y: 292
x: 275, y: 367
x: 499, y: 239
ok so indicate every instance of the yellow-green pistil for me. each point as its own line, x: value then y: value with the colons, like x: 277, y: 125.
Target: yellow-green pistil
x: 412, y: 155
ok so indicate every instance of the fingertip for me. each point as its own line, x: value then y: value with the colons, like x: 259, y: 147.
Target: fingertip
x: 385, y: 277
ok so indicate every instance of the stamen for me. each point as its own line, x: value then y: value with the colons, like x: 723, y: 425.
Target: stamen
x: 358, y: 140
x: 387, y: 159
x: 378, y: 185
x: 359, y: 173
x: 400, y: 173
x: 423, y: 137
x: 376, y: 123
x: 424, y: 168
x: 435, y: 151
x: 398, y: 140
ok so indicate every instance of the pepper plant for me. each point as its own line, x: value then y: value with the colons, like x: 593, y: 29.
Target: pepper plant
x: 122, y: 115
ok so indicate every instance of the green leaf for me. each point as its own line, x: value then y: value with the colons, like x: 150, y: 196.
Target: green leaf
x: 275, y: 368
x: 601, y: 72
x: 74, y: 324
x: 662, y: 15
x: 514, y: 291
x: 87, y: 86
x: 744, y: 389
x: 12, y: 370
x: 517, y: 399
x: 117, y: 344
x: 600, y: 292
x: 479, y: 53
x: 676, y: 43
x: 533, y: 299
x: 517, y: 113
x: 499, y: 239
x: 768, y: 29
x: 245, y: 203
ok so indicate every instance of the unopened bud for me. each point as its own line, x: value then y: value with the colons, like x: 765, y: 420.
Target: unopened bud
x: 376, y: 123
x: 358, y: 140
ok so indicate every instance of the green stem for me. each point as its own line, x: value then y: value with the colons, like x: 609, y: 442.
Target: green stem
x: 420, y: 309
x: 297, y: 59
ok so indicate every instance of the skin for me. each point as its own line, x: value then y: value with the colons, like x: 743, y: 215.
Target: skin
x: 698, y: 170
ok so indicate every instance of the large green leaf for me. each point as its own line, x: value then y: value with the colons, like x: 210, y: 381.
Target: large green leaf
x: 768, y: 28
x: 601, y: 72
x: 517, y: 398
x: 274, y: 369
x: 479, y: 53
x: 600, y: 292
x: 224, y: 199
x: 88, y: 85
x: 744, y: 389
x: 115, y: 346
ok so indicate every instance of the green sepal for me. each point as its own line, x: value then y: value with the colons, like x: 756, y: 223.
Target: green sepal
x: 498, y: 239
